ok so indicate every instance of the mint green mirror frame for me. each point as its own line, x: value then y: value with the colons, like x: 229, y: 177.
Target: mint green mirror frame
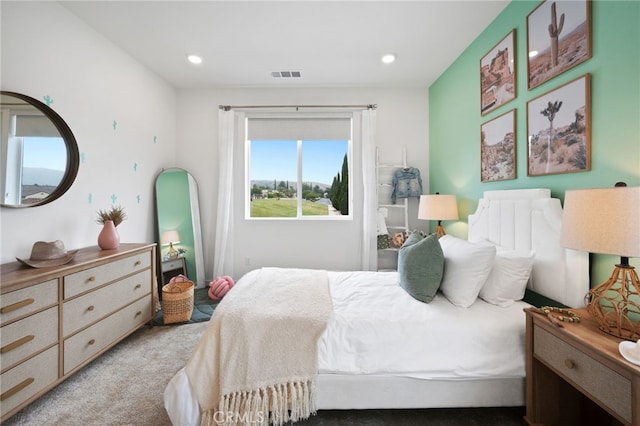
x: 178, y: 208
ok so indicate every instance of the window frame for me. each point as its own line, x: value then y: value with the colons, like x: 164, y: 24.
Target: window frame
x: 299, y: 173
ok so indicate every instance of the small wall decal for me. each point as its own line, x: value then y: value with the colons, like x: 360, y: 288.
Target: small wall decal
x: 82, y: 157
x: 113, y: 198
x: 155, y: 139
x: 90, y: 197
x: 48, y: 100
x: 115, y: 124
x: 135, y: 167
x: 138, y: 198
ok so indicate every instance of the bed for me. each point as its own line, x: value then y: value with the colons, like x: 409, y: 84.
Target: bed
x: 382, y: 348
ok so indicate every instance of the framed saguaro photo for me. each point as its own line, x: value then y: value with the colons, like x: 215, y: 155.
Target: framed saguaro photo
x: 558, y: 38
x: 497, y: 75
x: 559, y: 130
x: 498, y: 148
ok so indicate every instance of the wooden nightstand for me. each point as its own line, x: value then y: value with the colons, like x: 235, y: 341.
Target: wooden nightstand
x: 173, y: 267
x: 575, y: 375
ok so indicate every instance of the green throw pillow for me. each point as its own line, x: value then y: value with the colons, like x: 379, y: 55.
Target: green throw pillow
x: 420, y: 266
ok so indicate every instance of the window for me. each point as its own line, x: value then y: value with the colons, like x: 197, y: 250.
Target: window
x: 298, y: 168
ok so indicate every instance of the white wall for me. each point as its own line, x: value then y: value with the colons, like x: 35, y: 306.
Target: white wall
x: 47, y: 51
x: 401, y: 121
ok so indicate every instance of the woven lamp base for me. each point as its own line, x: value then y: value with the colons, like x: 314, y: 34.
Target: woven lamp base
x: 615, y: 304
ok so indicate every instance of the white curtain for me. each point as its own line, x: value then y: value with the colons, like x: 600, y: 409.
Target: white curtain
x: 223, y: 263
x: 369, y: 254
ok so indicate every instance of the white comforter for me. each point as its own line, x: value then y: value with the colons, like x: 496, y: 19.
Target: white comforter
x: 377, y: 328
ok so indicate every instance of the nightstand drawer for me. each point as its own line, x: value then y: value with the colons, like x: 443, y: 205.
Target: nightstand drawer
x: 595, y: 379
x: 170, y: 265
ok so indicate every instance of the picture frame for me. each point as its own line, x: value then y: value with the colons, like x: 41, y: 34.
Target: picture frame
x: 498, y: 148
x: 558, y: 39
x: 498, y: 74
x: 559, y: 129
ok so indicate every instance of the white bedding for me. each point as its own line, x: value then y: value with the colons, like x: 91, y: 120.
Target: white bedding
x: 377, y: 329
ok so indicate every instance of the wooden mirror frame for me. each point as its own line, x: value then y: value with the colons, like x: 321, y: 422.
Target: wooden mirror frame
x: 73, y: 155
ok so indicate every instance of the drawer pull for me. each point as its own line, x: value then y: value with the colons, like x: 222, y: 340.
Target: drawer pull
x: 17, y: 388
x: 138, y: 263
x: 91, y: 279
x: 138, y: 286
x: 91, y: 342
x: 569, y: 364
x: 138, y: 314
x: 91, y: 308
x: 17, y: 343
x: 16, y: 306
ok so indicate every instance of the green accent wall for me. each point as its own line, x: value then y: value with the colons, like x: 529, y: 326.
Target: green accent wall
x: 455, y: 119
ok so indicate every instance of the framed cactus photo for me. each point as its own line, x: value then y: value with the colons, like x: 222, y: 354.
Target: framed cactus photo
x: 558, y: 38
x: 559, y: 129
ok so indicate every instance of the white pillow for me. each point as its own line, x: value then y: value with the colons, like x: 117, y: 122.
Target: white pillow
x: 508, y: 278
x: 466, y: 268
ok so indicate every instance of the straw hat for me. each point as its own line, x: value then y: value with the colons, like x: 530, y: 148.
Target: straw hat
x: 44, y: 255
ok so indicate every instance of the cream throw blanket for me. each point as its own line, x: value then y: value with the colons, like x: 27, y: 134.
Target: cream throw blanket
x: 257, y: 361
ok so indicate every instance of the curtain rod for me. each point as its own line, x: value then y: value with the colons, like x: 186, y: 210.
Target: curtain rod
x: 230, y: 107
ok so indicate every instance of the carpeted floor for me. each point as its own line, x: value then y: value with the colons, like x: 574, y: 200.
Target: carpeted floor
x: 125, y: 387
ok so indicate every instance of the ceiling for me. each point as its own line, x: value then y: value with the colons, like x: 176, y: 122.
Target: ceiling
x: 331, y: 43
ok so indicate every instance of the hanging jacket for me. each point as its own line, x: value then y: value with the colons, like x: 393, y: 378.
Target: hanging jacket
x: 406, y: 183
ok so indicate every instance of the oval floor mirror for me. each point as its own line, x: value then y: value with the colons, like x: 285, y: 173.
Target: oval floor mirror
x: 179, y: 235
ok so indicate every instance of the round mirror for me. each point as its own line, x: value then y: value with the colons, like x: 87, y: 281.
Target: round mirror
x: 39, y: 153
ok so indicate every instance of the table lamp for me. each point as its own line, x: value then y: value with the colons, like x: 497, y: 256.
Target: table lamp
x: 438, y: 207
x: 170, y: 238
x: 607, y: 221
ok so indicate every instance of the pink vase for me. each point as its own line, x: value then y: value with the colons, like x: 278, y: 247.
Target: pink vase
x: 108, y: 238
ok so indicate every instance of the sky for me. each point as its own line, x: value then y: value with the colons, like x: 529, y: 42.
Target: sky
x: 46, y: 153
x: 321, y: 160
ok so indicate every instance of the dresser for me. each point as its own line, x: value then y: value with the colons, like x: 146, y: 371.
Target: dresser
x: 576, y: 376
x: 56, y: 320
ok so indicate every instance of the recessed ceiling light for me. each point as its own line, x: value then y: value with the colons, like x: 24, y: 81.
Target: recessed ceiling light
x: 194, y: 59
x: 388, y: 58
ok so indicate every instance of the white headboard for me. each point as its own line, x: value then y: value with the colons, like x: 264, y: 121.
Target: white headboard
x: 529, y: 219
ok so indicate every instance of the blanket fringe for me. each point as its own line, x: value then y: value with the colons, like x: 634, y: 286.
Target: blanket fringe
x: 275, y: 405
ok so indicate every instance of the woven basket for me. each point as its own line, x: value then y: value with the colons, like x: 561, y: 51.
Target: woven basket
x: 177, y: 301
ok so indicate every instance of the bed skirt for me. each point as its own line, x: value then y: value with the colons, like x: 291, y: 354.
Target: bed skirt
x: 358, y: 392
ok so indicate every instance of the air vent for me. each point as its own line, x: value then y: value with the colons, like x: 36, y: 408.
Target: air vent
x: 286, y: 74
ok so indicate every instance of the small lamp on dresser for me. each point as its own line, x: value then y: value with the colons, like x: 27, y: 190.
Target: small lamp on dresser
x: 607, y: 221
x: 438, y: 207
x: 170, y: 238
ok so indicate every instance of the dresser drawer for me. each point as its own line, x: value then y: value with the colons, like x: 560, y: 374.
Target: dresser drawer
x: 25, y: 380
x: 86, y: 309
x: 27, y: 336
x: 25, y: 301
x: 595, y: 379
x: 88, y: 279
x: 87, y: 343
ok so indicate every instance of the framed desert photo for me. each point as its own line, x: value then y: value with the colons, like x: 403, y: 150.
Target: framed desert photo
x: 498, y: 148
x: 558, y: 130
x: 558, y: 38
x: 497, y: 75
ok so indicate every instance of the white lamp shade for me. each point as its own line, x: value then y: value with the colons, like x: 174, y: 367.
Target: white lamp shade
x: 438, y: 207
x: 603, y: 220
x: 169, y: 237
